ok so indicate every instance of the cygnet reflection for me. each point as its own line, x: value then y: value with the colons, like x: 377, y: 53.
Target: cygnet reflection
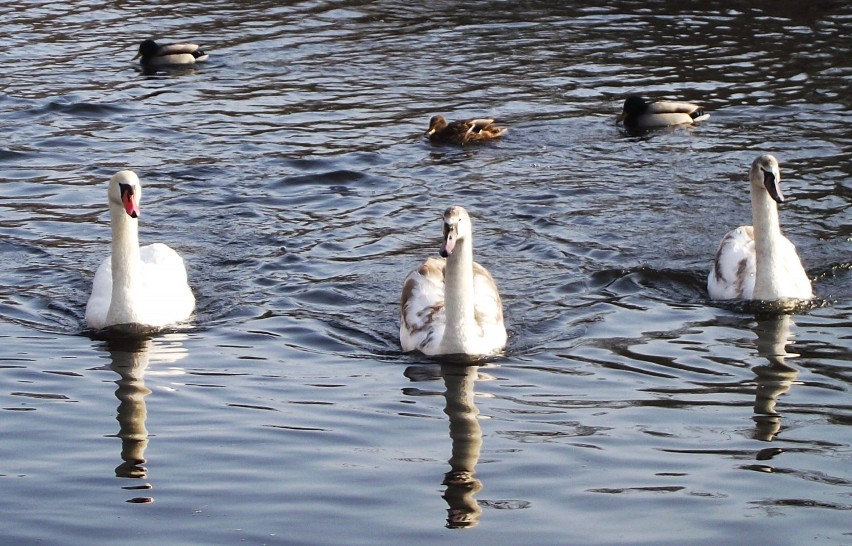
x: 775, y: 377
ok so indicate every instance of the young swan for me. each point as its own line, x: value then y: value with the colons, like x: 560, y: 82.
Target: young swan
x: 143, y: 287
x: 758, y: 262
x: 451, y: 306
x: 637, y: 113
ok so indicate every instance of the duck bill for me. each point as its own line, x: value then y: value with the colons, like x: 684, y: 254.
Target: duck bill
x: 137, y: 56
x: 771, y: 181
x: 130, y: 200
x: 621, y: 117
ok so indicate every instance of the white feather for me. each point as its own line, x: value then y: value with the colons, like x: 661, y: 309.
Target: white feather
x: 470, y: 323
x: 758, y: 262
x: 144, y: 286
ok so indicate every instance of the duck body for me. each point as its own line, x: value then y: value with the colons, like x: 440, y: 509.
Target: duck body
x: 758, y: 262
x: 637, y: 113
x: 451, y: 306
x: 152, y: 55
x: 145, y: 287
x: 462, y: 132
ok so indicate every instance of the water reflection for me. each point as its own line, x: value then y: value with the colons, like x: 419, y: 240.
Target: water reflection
x: 129, y: 359
x: 466, y: 436
x: 776, y: 377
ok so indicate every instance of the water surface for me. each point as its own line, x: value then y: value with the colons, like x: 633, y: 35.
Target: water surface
x: 291, y: 173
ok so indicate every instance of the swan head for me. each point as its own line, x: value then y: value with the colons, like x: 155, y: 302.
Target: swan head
x: 456, y: 227
x: 436, y: 125
x: 765, y: 175
x: 125, y: 192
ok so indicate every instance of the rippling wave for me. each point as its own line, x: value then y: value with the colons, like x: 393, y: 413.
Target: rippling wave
x: 291, y: 173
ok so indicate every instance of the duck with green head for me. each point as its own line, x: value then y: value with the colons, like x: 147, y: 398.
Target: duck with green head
x: 638, y: 113
x: 153, y: 55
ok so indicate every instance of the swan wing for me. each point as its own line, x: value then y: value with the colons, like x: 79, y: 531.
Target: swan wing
x: 732, y: 276
x: 796, y: 282
x: 98, y: 305
x: 422, y: 317
x: 166, y: 296
x: 488, y: 310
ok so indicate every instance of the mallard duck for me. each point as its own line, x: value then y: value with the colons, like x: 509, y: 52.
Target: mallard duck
x: 145, y: 286
x: 757, y: 262
x: 154, y: 55
x: 450, y: 306
x: 462, y: 132
x: 638, y: 113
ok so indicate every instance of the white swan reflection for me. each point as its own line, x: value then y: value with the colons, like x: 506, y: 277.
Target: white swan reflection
x: 461, y: 483
x: 130, y: 359
x: 466, y: 435
x: 776, y: 377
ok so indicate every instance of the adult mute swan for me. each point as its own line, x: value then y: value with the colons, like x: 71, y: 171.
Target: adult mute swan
x: 464, y: 131
x: 637, y: 113
x: 757, y: 262
x: 451, y: 306
x: 136, y: 286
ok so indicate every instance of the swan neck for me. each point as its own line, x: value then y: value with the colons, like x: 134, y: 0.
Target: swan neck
x: 767, y: 233
x: 126, y: 266
x: 458, y: 297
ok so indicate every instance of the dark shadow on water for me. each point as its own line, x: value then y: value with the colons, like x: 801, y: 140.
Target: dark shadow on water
x: 464, y: 510
x: 774, y: 378
x: 466, y: 438
x: 129, y: 358
x: 466, y: 435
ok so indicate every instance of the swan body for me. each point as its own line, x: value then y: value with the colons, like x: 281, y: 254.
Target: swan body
x: 451, y: 306
x: 154, y: 55
x: 757, y: 262
x: 462, y: 132
x: 144, y: 286
x: 637, y: 113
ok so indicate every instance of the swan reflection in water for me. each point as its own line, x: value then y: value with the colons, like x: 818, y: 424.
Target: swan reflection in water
x: 776, y: 377
x: 130, y: 359
x: 466, y: 436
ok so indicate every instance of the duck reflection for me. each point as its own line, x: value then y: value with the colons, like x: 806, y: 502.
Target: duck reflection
x: 776, y: 377
x: 466, y: 436
x: 129, y: 359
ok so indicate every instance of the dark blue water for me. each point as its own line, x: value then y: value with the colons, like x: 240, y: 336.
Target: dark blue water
x: 291, y: 173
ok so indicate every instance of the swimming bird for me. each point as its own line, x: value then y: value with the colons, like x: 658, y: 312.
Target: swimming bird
x: 144, y: 286
x: 637, y: 113
x: 154, y: 55
x: 757, y: 262
x: 450, y: 305
x: 462, y: 132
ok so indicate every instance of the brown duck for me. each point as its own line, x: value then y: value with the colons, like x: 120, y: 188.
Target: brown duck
x: 462, y: 132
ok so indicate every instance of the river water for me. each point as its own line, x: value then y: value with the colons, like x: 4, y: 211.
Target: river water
x: 291, y: 173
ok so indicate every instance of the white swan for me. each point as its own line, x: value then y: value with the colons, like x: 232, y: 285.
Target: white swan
x: 137, y: 286
x: 758, y: 262
x: 451, y: 306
